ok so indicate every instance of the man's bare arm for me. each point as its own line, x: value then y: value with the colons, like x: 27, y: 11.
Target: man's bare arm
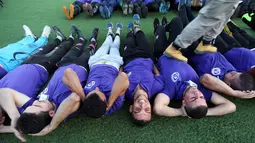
x: 161, y: 107
x: 119, y: 87
x: 217, y: 85
x: 222, y: 106
x: 6, y: 129
x: 66, y: 108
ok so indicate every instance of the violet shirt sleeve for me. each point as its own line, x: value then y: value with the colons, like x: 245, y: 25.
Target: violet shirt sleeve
x: 116, y: 105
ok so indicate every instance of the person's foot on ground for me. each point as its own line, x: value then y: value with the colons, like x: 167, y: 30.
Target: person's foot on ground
x: 125, y: 8
x: 174, y: 53
x: 136, y: 19
x: 46, y: 31
x: 71, y: 8
x: 119, y: 27
x: 130, y: 7
x: 28, y: 31
x: 88, y: 8
x: 130, y: 26
x: 79, y: 33
x: 59, y: 33
x: 66, y: 12
x: 164, y: 21
x: 109, y: 28
x: 156, y: 24
x: 144, y: 10
x: 204, y: 48
x: 181, y: 3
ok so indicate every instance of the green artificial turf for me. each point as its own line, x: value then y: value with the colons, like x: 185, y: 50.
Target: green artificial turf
x: 236, y: 127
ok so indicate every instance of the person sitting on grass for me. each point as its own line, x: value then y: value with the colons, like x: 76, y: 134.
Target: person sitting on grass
x: 1, y: 3
x: 33, y: 73
x: 182, y: 82
x: 145, y: 80
x: 76, y: 8
x: 14, y: 54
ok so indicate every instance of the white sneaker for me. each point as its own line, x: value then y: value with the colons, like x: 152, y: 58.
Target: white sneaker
x: 46, y: 31
x: 28, y: 31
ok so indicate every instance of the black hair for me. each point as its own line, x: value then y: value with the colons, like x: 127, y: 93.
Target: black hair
x: 246, y: 82
x: 196, y: 112
x: 94, y: 106
x: 31, y: 123
x: 139, y: 123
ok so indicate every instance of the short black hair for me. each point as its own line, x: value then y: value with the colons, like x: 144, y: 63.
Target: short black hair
x: 139, y: 123
x: 94, y: 106
x: 196, y: 112
x: 31, y: 123
x: 246, y: 82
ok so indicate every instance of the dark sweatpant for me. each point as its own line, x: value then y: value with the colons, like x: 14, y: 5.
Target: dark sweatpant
x: 136, y: 46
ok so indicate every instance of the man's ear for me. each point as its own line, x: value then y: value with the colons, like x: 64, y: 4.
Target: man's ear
x: 52, y: 113
x: 130, y: 108
x: 183, y: 103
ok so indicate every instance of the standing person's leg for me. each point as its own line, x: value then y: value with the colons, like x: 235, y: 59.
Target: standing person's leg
x: 115, y: 59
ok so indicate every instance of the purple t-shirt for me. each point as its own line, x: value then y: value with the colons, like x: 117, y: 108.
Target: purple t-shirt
x: 3, y: 72
x: 140, y: 71
x: 103, y: 77
x: 176, y: 74
x: 211, y: 63
x: 27, y: 79
x: 56, y: 91
x: 241, y: 58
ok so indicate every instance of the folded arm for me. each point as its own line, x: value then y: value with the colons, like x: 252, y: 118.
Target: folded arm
x: 66, y: 108
x: 217, y: 85
x: 161, y: 107
x: 222, y: 106
x: 119, y: 87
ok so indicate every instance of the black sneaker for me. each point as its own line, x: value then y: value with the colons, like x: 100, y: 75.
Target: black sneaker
x: 137, y: 9
x: 94, y: 34
x: 79, y: 33
x: 59, y: 32
x: 164, y: 21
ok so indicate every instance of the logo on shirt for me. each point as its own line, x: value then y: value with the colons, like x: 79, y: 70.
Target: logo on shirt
x: 216, y: 71
x: 91, y: 84
x: 175, y: 76
x: 43, y: 95
x: 252, y: 66
x: 129, y: 74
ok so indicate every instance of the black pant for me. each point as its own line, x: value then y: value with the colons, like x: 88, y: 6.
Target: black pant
x: 77, y: 8
x: 77, y: 55
x: 241, y: 36
x: 175, y: 27
x: 224, y: 42
x: 186, y: 14
x: 136, y: 46
x: 50, y: 54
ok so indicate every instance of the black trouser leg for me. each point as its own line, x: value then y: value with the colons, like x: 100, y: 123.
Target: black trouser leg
x: 49, y: 60
x: 161, y: 41
x: 176, y: 27
x: 190, y: 14
x: 129, y: 47
x: 48, y: 48
x: 221, y: 45
x: 143, y: 44
x: 183, y: 16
